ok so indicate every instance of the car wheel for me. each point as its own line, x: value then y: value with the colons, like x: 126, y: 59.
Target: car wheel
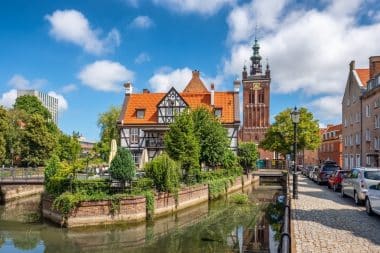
x: 356, y: 199
x: 368, y: 208
x: 342, y: 193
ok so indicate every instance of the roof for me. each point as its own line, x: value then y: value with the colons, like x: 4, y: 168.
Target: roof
x: 363, y: 75
x: 195, y: 85
x: 149, y: 102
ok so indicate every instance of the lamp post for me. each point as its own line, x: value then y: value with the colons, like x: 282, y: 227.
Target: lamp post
x: 295, y: 115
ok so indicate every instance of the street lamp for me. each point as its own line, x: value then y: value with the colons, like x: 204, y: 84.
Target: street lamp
x: 295, y: 115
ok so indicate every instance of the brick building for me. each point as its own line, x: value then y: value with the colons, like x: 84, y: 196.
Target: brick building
x: 146, y: 116
x: 360, y: 116
x: 331, y: 147
x: 256, y: 102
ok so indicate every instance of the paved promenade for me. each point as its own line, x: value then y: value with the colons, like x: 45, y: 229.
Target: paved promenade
x: 325, y: 222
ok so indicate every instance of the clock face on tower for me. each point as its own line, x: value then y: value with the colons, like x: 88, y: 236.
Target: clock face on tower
x: 256, y: 86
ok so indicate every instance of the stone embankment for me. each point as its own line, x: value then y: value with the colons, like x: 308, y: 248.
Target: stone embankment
x: 11, y: 192
x: 134, y: 209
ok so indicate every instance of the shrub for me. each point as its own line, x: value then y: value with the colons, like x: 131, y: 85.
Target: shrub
x: 239, y: 198
x: 91, y: 186
x: 144, y: 184
x: 123, y: 166
x: 164, y: 172
x: 149, y: 196
x: 66, y: 202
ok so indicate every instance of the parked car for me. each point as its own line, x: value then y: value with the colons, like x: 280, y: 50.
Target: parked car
x: 322, y: 174
x: 372, y: 201
x: 357, y: 182
x: 335, y: 181
x: 311, y: 172
x: 306, y: 169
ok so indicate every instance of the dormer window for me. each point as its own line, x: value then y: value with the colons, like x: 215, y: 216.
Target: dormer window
x: 140, y: 113
x: 218, y: 112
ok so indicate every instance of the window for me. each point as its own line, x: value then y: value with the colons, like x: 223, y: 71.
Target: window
x: 376, y: 121
x: 348, y: 102
x: 136, y: 157
x: 345, y: 122
x: 367, y: 111
x: 134, y: 135
x: 218, y: 112
x: 357, y: 160
x: 367, y: 135
x: 261, y: 96
x: 368, y: 160
x: 140, y: 113
x: 251, y: 96
x: 357, y: 138
x: 357, y: 117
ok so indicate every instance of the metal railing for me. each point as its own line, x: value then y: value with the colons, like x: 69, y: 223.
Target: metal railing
x: 285, y: 241
x: 9, y: 174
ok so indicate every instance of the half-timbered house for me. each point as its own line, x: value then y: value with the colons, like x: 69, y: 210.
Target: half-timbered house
x: 146, y: 116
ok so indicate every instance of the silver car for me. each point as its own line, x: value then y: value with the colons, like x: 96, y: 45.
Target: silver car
x: 356, y: 183
x: 372, y: 202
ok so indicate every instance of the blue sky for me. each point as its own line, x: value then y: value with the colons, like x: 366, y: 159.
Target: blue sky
x: 83, y: 51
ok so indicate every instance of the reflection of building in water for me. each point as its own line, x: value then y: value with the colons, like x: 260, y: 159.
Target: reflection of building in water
x: 252, y: 240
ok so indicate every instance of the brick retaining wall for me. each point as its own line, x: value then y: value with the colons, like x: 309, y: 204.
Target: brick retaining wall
x: 10, y: 192
x: 133, y: 209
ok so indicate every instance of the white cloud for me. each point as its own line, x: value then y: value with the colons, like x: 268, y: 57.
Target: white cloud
x: 142, y: 57
x: 8, y: 98
x: 69, y: 88
x: 62, y: 103
x: 19, y: 82
x: 142, y: 22
x: 72, y: 26
x: 105, y: 75
x: 326, y: 108
x: 165, y: 78
x: 309, y: 50
x: 263, y: 14
x: 202, y: 7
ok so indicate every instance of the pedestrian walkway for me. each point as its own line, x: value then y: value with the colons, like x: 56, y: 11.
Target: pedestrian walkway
x: 322, y: 221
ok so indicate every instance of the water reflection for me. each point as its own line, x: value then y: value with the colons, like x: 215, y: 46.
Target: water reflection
x: 218, y: 226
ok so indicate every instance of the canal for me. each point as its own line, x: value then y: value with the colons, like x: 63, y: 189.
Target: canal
x: 217, y: 226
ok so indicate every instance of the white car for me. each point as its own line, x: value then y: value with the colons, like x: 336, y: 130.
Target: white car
x: 372, y: 201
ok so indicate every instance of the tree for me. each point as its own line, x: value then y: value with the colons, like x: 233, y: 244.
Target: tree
x: 212, y: 137
x: 32, y: 105
x: 280, y: 135
x: 123, y: 166
x: 248, y: 155
x: 164, y: 172
x: 182, y: 145
x: 68, y: 147
x: 107, y: 122
x: 38, y: 142
x: 4, y: 126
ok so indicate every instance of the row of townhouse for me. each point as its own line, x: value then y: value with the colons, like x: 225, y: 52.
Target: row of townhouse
x: 331, y: 146
x: 361, y: 116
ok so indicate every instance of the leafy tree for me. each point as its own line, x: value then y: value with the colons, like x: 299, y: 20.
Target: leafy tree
x: 32, y: 105
x: 182, y: 145
x: 4, y: 126
x: 280, y: 135
x: 68, y: 147
x: 248, y: 155
x: 108, y: 131
x: 164, y: 172
x: 212, y: 137
x: 123, y: 166
x: 38, y: 142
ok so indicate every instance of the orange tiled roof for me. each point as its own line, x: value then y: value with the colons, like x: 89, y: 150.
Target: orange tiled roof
x: 363, y: 75
x: 149, y: 101
x: 195, y: 85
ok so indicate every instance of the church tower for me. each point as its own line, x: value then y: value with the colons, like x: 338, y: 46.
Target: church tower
x: 256, y: 101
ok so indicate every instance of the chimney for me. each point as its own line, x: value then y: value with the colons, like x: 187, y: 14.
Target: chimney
x: 195, y: 73
x: 236, y: 100
x: 146, y: 91
x: 212, y: 94
x: 128, y: 88
x: 374, y: 66
x: 352, y: 65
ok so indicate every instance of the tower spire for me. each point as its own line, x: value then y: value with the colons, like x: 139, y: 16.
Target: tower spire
x: 256, y: 67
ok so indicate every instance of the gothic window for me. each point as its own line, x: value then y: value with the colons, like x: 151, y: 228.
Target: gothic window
x: 170, y: 106
x: 134, y: 136
x: 261, y: 96
x: 251, y: 96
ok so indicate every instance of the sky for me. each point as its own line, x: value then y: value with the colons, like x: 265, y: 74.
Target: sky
x: 82, y: 52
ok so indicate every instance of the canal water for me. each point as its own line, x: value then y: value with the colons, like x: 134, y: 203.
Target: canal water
x: 217, y: 226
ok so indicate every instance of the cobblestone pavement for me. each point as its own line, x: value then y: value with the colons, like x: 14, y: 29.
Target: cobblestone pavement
x: 324, y: 222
